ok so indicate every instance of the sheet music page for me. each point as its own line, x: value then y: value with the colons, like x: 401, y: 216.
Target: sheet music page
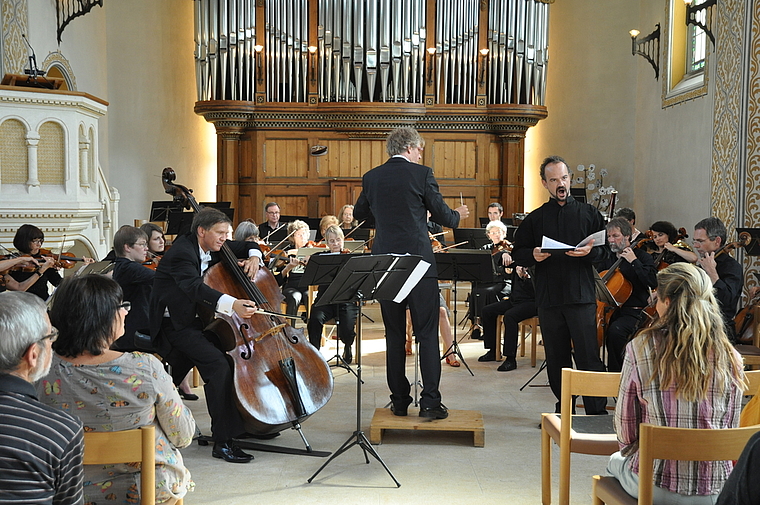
x: 412, y: 281
x: 599, y: 239
x: 548, y: 243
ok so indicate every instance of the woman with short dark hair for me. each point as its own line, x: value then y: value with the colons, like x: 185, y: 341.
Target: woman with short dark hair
x: 29, y: 240
x: 114, y: 391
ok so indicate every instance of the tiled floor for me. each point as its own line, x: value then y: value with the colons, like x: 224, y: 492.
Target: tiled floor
x: 432, y: 467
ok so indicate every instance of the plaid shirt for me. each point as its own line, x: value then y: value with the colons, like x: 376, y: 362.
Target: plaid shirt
x: 641, y: 401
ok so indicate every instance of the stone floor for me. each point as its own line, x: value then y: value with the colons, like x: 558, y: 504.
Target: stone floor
x: 432, y: 467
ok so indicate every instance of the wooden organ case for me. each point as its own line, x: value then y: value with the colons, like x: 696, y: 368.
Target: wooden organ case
x: 302, y: 94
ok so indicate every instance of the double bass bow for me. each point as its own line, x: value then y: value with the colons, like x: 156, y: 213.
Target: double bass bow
x: 280, y: 379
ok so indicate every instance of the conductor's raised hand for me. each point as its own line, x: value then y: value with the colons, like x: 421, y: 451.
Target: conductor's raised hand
x: 244, y: 308
x: 579, y: 252
x: 464, y: 212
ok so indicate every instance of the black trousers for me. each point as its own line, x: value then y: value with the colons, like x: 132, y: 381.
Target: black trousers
x: 570, y: 331
x: 423, y: 308
x: 189, y: 348
x: 483, y: 294
x: 345, y: 317
x: 513, y: 314
x: 622, y: 326
x: 743, y: 486
x: 293, y: 298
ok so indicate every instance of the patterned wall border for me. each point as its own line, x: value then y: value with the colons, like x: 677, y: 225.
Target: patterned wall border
x: 751, y: 217
x: 15, y: 18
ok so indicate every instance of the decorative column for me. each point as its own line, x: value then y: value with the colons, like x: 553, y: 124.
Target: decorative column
x: 32, y: 141
x: 84, y: 162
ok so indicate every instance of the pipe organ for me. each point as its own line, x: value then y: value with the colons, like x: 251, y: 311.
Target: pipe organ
x: 314, y: 71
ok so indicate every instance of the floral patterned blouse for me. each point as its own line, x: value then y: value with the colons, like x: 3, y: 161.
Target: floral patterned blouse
x: 130, y: 391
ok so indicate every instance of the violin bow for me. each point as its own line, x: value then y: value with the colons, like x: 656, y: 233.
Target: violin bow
x: 266, y: 239
x: 280, y: 242
x: 354, y: 229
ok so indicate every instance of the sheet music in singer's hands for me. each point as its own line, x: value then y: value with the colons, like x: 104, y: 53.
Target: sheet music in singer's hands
x: 549, y: 245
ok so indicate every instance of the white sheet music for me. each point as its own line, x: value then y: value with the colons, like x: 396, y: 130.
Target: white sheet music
x: 551, y: 244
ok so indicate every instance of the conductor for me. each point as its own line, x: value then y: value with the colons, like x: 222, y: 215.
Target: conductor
x: 398, y: 194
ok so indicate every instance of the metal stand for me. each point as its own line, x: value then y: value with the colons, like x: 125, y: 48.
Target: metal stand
x: 454, y: 347
x: 540, y: 369
x: 339, y: 361
x: 357, y: 437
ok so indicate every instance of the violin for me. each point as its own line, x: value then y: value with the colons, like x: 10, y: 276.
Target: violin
x: 503, y: 246
x: 280, y: 379
x: 434, y: 243
x: 152, y: 261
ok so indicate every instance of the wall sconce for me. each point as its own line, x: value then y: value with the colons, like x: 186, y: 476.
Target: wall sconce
x: 701, y: 15
x: 651, y: 48
x: 482, y: 78
x: 312, y: 57
x: 258, y: 48
x: 430, y: 63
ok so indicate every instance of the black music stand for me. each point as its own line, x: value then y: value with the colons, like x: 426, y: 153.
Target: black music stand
x: 381, y: 277
x: 321, y: 271
x: 476, y: 238
x: 463, y: 265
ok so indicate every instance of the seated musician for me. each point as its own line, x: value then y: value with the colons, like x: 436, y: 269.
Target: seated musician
x: 639, y: 269
x: 484, y: 293
x: 9, y: 283
x: 725, y: 272
x: 435, y: 230
x: 520, y: 305
x: 114, y: 391
x: 665, y: 247
x: 324, y: 223
x: 131, y: 245
x: 495, y: 211
x: 346, y: 217
x: 289, y: 278
x: 29, y: 240
x: 246, y: 231
x: 272, y: 212
x: 156, y: 240
x: 178, y: 290
x: 630, y: 216
x: 344, y: 314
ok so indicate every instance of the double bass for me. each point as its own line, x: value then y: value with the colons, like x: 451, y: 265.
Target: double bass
x: 280, y: 379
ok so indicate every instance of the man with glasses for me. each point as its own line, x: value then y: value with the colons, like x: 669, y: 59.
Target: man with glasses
x: 130, y: 245
x: 40, y: 447
x: 272, y: 213
x: 398, y: 194
x: 724, y: 271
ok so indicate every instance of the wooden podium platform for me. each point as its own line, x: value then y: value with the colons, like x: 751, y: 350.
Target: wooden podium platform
x: 458, y: 420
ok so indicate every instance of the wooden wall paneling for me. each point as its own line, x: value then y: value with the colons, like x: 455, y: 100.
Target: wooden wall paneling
x: 512, y: 162
x: 325, y: 206
x: 453, y: 159
x: 286, y: 157
x: 228, y: 161
x: 350, y: 158
x: 247, y: 157
x: 294, y: 205
x: 493, y: 156
x: 471, y: 202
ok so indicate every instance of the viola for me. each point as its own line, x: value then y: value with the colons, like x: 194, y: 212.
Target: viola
x: 280, y: 379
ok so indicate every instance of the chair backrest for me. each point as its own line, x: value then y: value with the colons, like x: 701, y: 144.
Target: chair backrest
x: 130, y: 446
x: 582, y: 382
x: 685, y: 444
x: 753, y: 381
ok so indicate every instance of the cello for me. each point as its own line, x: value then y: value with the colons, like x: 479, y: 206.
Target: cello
x: 620, y: 288
x: 279, y: 378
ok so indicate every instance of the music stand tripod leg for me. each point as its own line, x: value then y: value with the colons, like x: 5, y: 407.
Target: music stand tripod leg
x: 540, y: 369
x: 454, y: 347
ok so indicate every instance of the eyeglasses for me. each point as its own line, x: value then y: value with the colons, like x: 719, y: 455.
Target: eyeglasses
x: 141, y: 244
x: 52, y: 336
x: 38, y: 240
x: 125, y: 305
x: 273, y: 213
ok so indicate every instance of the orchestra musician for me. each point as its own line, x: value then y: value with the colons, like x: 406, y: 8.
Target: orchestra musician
x: 726, y: 274
x: 666, y: 247
x: 630, y: 216
x: 29, y: 240
x: 130, y: 245
x: 638, y: 268
x: 11, y: 284
x: 156, y: 239
x: 246, y: 231
x: 345, y: 314
x: 520, y: 305
x: 565, y: 293
x: 272, y: 213
x: 289, y: 278
x: 495, y: 211
x: 346, y: 217
x: 178, y: 290
x: 485, y: 293
x: 325, y: 223
x: 397, y: 194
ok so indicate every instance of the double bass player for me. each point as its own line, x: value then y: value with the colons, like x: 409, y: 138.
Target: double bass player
x: 178, y: 289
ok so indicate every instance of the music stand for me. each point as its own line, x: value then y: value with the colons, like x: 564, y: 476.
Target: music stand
x: 321, y: 271
x: 475, y: 237
x: 463, y: 265
x: 381, y: 277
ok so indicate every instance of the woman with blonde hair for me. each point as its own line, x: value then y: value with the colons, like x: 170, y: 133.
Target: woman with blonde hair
x: 346, y: 216
x: 681, y: 372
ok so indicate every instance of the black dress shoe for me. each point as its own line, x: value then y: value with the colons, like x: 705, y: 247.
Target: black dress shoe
x: 489, y: 356
x: 348, y: 357
x: 509, y: 364
x: 188, y: 396
x: 230, y: 452
x: 400, y: 408
x: 439, y: 412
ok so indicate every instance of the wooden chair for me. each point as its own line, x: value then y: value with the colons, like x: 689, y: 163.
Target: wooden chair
x: 576, y: 433
x: 753, y: 380
x: 532, y: 323
x: 681, y: 444
x: 751, y: 352
x: 130, y: 446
